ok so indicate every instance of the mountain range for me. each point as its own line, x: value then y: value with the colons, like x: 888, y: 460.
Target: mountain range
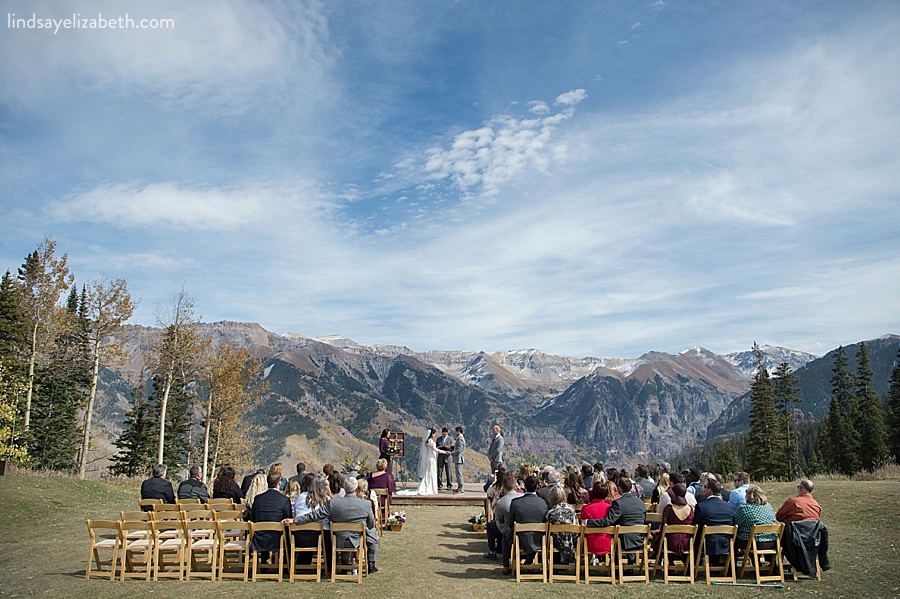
x: 330, y: 396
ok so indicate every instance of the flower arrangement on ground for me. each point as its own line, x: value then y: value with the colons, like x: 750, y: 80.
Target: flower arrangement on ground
x: 478, y: 519
x: 397, y: 518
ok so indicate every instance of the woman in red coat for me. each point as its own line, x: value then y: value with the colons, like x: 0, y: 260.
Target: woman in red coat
x: 597, y: 543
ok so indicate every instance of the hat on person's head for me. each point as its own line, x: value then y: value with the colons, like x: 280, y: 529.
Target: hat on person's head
x: 677, y: 493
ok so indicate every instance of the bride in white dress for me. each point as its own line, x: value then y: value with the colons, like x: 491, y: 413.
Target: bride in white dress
x: 428, y: 465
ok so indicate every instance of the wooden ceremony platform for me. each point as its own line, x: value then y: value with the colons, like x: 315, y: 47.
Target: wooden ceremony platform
x: 473, y: 497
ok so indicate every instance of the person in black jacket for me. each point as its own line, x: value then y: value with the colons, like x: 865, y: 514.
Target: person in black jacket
x: 158, y: 487
x: 225, y: 486
x: 270, y: 506
x: 627, y: 510
x: 194, y: 487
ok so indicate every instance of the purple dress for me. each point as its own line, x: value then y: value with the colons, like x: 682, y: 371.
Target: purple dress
x: 677, y: 542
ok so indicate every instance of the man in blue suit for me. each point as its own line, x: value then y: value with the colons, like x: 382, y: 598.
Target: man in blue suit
x: 714, y: 511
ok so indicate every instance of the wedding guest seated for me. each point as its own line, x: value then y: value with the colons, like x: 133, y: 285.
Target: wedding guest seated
x: 335, y: 483
x: 245, y: 484
x: 258, y: 485
x: 599, y: 473
x: 313, y: 493
x: 276, y: 468
x: 741, y: 483
x: 642, y: 479
x: 627, y: 510
x: 348, y: 508
x: 675, y: 478
x: 496, y: 527
x: 574, y: 486
x: 661, y: 487
x: 193, y: 487
x: 493, y: 487
x: 301, y: 472
x: 561, y: 512
x: 801, y: 507
x: 524, y: 472
x: 352, y: 471
x: 676, y: 513
x: 597, y: 509
x: 550, y: 480
x: 270, y: 506
x: 527, y: 509
x: 381, y: 478
x: 157, y: 487
x: 612, y: 475
x: 755, y: 510
x: 225, y: 486
x: 714, y: 511
x: 587, y: 475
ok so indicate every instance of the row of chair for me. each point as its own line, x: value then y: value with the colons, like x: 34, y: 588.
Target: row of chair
x: 637, y: 564
x: 214, y: 504
x: 219, y: 549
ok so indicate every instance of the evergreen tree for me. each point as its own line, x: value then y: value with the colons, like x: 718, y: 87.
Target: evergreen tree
x: 841, y: 439
x: 137, y: 443
x: 868, y: 415
x: 787, y: 395
x: 765, y: 453
x: 809, y: 450
x: 12, y: 388
x: 179, y: 423
x: 893, y: 410
x: 13, y: 334
x: 59, y: 395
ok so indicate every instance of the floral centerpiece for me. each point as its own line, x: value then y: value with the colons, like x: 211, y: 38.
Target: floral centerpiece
x: 392, y: 449
x: 478, y: 522
x: 395, y: 520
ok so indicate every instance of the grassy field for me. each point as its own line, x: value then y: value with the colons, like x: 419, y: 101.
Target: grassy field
x: 43, y: 550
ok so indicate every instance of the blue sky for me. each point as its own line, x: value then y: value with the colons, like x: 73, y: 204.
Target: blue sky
x: 584, y: 178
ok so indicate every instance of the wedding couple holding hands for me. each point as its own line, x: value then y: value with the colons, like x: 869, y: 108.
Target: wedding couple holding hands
x: 441, y: 450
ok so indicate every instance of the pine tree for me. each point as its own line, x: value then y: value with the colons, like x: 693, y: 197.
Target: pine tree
x: 787, y: 395
x: 868, y: 415
x: 841, y: 439
x: 893, y: 411
x: 13, y: 334
x: 137, y: 443
x: 765, y: 454
x: 59, y: 395
x: 12, y: 387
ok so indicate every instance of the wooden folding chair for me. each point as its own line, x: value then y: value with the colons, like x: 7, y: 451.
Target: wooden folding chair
x: 136, y: 539
x: 652, y: 517
x: 318, y: 553
x: 666, y: 560
x: 384, y: 505
x: 359, y: 553
x: 606, y: 562
x: 221, y: 503
x: 256, y: 528
x: 105, y: 537
x: 165, y: 507
x: 233, y: 538
x: 540, y: 558
x: 190, y: 508
x: 488, y: 509
x: 169, y: 549
x: 702, y: 556
x: 572, y: 571
x: 137, y: 516
x: 182, y: 502
x: 638, y: 554
x: 201, y: 541
x: 227, y: 516
x: 147, y: 504
x: 753, y: 555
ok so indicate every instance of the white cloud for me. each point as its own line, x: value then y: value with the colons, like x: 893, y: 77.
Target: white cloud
x: 571, y: 98
x: 180, y: 207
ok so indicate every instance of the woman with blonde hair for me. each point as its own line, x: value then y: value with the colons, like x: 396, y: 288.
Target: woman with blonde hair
x: 661, y: 487
x: 756, y: 511
x: 258, y: 486
x: 276, y: 468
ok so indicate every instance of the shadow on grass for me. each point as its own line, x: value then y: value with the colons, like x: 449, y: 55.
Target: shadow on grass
x: 472, y: 573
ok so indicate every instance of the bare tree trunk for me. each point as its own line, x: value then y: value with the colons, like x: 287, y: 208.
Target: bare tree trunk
x: 30, y: 390
x: 162, y: 415
x: 209, y: 405
x: 88, y: 415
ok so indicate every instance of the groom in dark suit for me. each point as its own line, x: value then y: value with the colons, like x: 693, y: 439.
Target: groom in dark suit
x: 458, y: 454
x: 444, y: 442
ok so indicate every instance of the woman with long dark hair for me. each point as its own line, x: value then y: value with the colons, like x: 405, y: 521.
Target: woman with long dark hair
x: 225, y: 486
x: 383, y: 444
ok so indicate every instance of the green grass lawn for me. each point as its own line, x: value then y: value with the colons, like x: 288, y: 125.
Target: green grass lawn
x: 43, y: 551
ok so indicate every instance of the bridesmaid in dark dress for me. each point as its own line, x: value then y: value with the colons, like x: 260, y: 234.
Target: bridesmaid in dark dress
x: 383, y: 445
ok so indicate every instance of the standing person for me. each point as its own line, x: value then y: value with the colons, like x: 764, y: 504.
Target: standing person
x: 157, y: 487
x: 495, y: 452
x: 445, y: 443
x: 458, y: 453
x: 383, y: 444
x: 428, y: 465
